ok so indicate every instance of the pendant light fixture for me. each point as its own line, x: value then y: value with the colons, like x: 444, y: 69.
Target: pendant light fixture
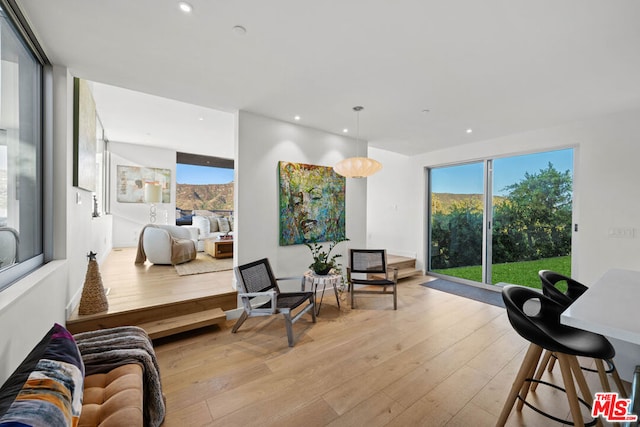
x: 357, y: 167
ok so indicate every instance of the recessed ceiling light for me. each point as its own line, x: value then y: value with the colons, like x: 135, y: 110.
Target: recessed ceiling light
x: 469, y: 130
x: 239, y: 30
x: 185, y: 7
x: 201, y: 118
x: 345, y: 130
x: 296, y: 118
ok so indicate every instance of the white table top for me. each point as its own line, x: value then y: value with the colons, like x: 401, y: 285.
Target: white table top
x: 611, y: 307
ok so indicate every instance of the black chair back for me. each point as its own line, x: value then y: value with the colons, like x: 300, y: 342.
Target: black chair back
x: 368, y: 260
x: 544, y: 328
x: 550, y: 281
x: 257, y: 276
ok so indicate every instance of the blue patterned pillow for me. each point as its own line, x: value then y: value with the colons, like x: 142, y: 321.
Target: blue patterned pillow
x: 46, y: 389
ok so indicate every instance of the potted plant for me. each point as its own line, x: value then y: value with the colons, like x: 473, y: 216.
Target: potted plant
x: 323, y: 262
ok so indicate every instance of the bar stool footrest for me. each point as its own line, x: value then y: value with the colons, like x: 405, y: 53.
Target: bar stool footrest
x: 541, y: 412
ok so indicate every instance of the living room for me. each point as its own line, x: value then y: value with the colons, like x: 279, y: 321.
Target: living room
x: 387, y: 209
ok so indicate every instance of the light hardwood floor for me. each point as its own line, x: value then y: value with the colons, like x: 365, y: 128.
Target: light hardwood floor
x: 438, y: 360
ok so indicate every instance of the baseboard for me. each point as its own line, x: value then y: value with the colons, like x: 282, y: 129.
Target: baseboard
x: 73, y: 303
x: 406, y: 254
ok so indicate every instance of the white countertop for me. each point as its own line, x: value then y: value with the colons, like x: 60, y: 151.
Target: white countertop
x: 611, y: 307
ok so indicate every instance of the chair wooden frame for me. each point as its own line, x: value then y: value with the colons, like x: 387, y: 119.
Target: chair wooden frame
x: 379, y: 266
x: 261, y: 296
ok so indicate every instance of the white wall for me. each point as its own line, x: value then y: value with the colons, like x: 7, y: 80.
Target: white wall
x: 262, y: 143
x: 607, y: 173
x: 392, y: 204
x: 28, y: 309
x: 129, y: 218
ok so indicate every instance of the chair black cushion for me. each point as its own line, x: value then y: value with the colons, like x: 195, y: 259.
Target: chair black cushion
x: 289, y: 300
x: 544, y: 328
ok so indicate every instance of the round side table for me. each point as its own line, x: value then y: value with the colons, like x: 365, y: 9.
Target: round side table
x: 316, y: 280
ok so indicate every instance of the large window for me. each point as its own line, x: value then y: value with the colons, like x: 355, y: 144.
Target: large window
x: 21, y: 205
x: 502, y: 220
x: 203, y: 183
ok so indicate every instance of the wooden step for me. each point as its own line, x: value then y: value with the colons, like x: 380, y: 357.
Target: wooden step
x: 403, y: 273
x: 406, y: 267
x: 186, y: 322
x: 400, y: 262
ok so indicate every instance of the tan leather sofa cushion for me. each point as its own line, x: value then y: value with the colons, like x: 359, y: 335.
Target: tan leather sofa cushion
x: 113, y: 399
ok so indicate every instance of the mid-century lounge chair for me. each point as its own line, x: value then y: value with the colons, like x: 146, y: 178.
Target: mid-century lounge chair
x: 371, y: 261
x: 261, y: 296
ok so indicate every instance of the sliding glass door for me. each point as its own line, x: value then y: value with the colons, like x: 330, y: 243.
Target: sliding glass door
x: 517, y: 211
x: 456, y: 220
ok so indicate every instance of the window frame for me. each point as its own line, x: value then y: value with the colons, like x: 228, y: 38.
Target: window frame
x: 45, y: 162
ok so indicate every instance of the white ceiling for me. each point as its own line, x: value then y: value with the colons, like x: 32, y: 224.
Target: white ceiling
x: 135, y: 117
x: 496, y: 66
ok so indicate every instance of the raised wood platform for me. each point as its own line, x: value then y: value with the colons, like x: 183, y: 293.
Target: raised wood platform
x: 155, y: 297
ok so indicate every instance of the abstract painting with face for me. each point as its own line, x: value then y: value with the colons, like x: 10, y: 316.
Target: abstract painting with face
x: 312, y: 205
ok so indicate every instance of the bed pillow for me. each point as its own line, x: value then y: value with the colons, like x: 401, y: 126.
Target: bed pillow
x: 46, y: 389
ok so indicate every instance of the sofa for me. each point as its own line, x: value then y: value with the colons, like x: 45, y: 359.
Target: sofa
x: 103, y: 378
x: 165, y: 244
x: 209, y: 225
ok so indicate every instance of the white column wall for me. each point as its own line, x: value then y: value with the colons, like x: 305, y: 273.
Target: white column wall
x: 262, y: 143
x: 392, y: 205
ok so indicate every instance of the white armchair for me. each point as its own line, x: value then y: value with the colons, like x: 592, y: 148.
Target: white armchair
x: 8, y: 246
x: 166, y: 244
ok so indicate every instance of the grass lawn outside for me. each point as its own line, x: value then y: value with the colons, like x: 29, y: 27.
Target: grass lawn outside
x: 518, y: 273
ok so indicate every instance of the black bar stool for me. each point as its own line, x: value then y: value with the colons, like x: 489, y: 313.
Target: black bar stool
x: 543, y: 330
x: 550, y: 281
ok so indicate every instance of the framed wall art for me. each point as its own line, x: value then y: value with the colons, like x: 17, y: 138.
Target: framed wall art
x: 84, y: 136
x: 131, y: 180
x: 311, y: 203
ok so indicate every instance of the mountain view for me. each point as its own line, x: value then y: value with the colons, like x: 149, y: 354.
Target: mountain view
x: 444, y: 202
x: 204, y: 196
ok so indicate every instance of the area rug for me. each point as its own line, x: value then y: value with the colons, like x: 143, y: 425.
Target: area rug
x: 467, y: 291
x: 204, y: 263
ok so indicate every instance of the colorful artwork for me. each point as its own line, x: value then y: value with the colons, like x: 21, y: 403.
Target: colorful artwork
x: 311, y: 204
x: 131, y: 181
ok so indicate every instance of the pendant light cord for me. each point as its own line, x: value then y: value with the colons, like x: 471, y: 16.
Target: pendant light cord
x: 357, y: 109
